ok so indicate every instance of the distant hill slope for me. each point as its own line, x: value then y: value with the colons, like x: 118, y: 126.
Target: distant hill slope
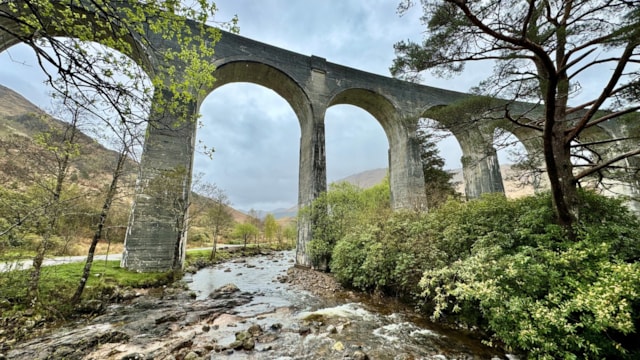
x: 513, y: 187
x: 20, y: 158
x: 366, y: 179
x: 20, y: 121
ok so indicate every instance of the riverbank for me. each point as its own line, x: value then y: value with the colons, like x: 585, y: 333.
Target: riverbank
x: 275, y: 318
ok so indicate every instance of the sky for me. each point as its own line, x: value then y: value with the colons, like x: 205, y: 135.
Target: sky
x: 253, y: 130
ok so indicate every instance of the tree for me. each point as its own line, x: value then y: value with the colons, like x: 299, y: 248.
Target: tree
x: 127, y: 138
x: 218, y: 215
x: 540, y: 50
x: 270, y: 227
x: 437, y: 181
x: 61, y: 34
x: 244, y: 231
x: 254, y: 219
x: 290, y: 232
x: 337, y: 212
x: 60, y: 148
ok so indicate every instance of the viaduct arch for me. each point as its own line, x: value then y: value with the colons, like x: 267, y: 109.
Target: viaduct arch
x: 155, y: 238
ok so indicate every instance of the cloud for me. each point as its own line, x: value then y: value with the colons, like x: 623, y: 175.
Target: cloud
x: 254, y: 131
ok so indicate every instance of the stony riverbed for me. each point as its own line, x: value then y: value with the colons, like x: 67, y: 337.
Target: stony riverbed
x: 253, y: 308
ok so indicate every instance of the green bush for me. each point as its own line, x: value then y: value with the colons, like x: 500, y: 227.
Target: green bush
x: 503, y: 266
x: 335, y: 213
x: 384, y: 255
x: 538, y: 290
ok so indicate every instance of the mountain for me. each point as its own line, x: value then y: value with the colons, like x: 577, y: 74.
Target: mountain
x: 21, y: 160
x: 365, y: 179
x: 513, y: 186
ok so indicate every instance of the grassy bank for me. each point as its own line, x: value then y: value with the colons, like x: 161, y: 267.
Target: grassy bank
x: 108, y: 283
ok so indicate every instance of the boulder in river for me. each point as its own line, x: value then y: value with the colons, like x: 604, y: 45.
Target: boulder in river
x: 224, y: 292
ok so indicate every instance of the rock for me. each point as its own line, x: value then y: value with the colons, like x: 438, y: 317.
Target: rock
x: 237, y: 345
x: 219, y: 348
x: 359, y: 355
x: 304, y: 330
x: 169, y: 318
x: 90, y: 307
x: 224, y: 292
x: 338, y: 346
x: 403, y: 357
x: 249, y: 344
x: 227, y: 270
x: 191, y: 356
x: 205, y: 328
x: 332, y: 329
x: 29, y: 324
x: 267, y: 338
x: 254, y: 330
x: 276, y: 326
x: 242, y: 335
x: 133, y: 356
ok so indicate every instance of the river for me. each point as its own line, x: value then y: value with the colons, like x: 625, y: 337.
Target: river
x: 334, y: 326
x: 266, y: 314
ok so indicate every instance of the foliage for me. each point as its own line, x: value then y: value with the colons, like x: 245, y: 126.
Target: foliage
x: 335, y: 213
x: 536, y: 289
x: 540, y: 52
x: 505, y: 267
x: 383, y: 255
x: 270, y: 227
x: 437, y: 181
x: 244, y: 231
x: 61, y: 32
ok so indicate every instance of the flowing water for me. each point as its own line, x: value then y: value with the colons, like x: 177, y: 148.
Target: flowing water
x: 299, y: 325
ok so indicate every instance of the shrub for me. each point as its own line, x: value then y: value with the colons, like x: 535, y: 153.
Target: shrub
x: 536, y: 289
x: 337, y: 212
x: 505, y: 267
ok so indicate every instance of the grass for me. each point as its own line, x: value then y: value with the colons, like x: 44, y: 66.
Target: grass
x: 58, y: 283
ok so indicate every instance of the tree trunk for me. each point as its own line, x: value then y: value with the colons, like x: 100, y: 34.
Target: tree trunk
x: 560, y: 170
x: 98, y: 233
x: 215, y: 246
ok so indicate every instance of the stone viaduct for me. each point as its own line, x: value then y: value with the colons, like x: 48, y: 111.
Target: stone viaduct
x: 156, y: 234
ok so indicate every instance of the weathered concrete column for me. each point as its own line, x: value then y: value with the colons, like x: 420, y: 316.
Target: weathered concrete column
x: 480, y: 166
x: 156, y: 236
x: 406, y: 177
x: 626, y: 183
x: 312, y: 179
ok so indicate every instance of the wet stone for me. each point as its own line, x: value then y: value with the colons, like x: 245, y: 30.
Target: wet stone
x: 224, y: 292
x: 133, y: 356
x: 249, y: 344
x: 254, y: 330
x: 191, y: 356
x: 359, y: 355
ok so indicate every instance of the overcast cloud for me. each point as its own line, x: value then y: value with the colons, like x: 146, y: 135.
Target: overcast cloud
x: 254, y: 131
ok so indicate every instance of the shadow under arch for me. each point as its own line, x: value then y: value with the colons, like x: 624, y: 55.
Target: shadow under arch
x: 268, y: 76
